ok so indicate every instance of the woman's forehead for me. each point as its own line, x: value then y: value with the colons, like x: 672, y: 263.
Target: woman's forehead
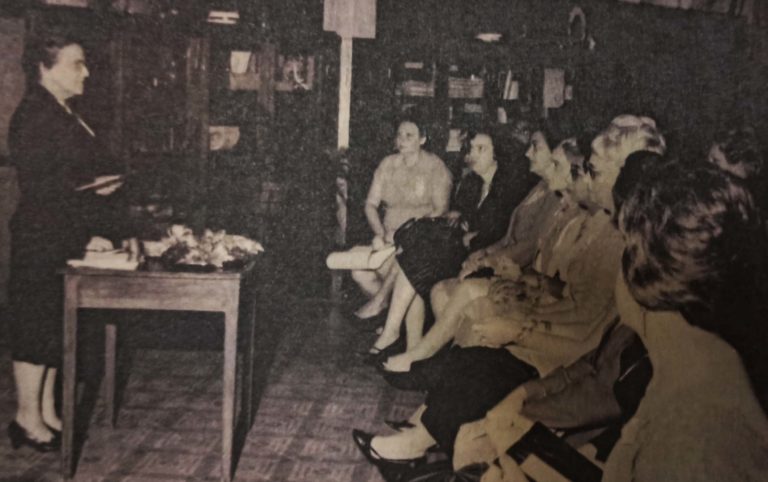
x: 481, y: 140
x: 408, y: 127
x: 72, y: 53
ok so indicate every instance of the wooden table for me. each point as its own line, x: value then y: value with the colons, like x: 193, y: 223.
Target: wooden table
x: 152, y: 290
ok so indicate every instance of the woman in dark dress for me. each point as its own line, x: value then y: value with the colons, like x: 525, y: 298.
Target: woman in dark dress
x: 56, y: 155
x: 432, y: 251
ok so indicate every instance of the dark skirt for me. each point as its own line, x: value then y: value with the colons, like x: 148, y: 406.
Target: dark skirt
x: 35, y: 322
x: 430, y: 251
x: 462, y: 384
x: 36, y: 291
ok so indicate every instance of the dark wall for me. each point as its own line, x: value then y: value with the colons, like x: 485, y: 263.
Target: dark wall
x: 692, y: 71
x: 685, y: 69
x: 12, y: 82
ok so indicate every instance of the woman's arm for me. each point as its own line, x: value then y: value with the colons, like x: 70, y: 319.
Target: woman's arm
x: 442, y: 182
x: 373, y: 201
x: 589, y: 284
x: 374, y: 221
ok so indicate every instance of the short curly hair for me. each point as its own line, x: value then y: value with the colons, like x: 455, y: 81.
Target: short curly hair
x: 44, y: 50
x: 640, y: 133
x: 696, y: 244
x: 740, y: 147
x: 688, y: 235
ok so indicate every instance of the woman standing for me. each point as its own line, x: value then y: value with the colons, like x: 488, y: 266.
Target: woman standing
x: 57, y: 156
x: 410, y: 184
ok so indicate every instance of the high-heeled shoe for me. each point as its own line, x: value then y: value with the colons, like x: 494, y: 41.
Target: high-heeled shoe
x: 397, y: 346
x: 376, y: 356
x: 391, y: 469
x: 19, y: 436
x: 56, y: 433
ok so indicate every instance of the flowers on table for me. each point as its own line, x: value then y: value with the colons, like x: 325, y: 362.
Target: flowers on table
x: 212, y: 248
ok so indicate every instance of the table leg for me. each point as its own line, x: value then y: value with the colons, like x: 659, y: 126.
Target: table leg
x: 230, y: 374
x: 69, y: 375
x: 110, y: 342
x: 250, y: 360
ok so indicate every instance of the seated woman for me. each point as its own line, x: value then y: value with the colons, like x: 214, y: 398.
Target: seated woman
x: 691, y: 290
x: 483, y: 203
x: 451, y: 302
x: 602, y: 388
x: 487, y: 373
x: 410, y: 184
x: 550, y: 203
x: 497, y: 357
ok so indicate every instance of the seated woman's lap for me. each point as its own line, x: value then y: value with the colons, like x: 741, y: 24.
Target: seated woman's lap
x: 457, y: 292
x: 464, y: 384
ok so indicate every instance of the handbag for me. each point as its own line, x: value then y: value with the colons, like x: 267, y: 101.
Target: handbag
x: 419, y: 232
x: 359, y: 257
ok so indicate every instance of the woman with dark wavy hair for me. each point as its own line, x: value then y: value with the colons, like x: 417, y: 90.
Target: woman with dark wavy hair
x: 693, y: 287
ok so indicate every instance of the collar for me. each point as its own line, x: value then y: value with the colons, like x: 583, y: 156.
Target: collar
x: 41, y: 94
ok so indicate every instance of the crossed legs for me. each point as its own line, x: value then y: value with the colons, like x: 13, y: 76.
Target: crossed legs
x: 403, y: 295
x: 449, y: 298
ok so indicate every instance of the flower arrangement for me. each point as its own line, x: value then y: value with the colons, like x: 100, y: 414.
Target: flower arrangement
x: 212, y: 248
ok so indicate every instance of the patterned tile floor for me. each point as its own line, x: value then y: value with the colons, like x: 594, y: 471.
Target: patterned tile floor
x: 315, y: 391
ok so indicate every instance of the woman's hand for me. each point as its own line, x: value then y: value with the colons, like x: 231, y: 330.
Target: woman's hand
x: 506, y: 291
x: 505, y: 267
x: 468, y: 238
x: 110, y: 187
x: 468, y: 267
x: 494, y: 334
x: 97, y: 243
x: 472, y: 445
x: 453, y: 218
x: 504, y: 424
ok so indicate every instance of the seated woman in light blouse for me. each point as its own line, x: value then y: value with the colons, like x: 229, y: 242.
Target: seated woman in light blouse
x: 412, y: 183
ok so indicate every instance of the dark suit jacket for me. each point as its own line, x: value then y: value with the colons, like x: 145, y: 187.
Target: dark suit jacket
x: 509, y: 187
x: 53, y: 154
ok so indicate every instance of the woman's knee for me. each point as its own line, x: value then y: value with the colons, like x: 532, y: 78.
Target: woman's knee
x: 362, y: 276
x: 473, y: 288
x: 442, y: 291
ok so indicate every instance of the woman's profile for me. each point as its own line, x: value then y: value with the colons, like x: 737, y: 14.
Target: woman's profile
x: 64, y: 175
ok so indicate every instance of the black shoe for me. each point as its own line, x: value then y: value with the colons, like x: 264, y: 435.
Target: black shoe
x: 394, y: 348
x: 56, y: 433
x: 391, y: 470
x: 19, y: 436
x: 377, y: 356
